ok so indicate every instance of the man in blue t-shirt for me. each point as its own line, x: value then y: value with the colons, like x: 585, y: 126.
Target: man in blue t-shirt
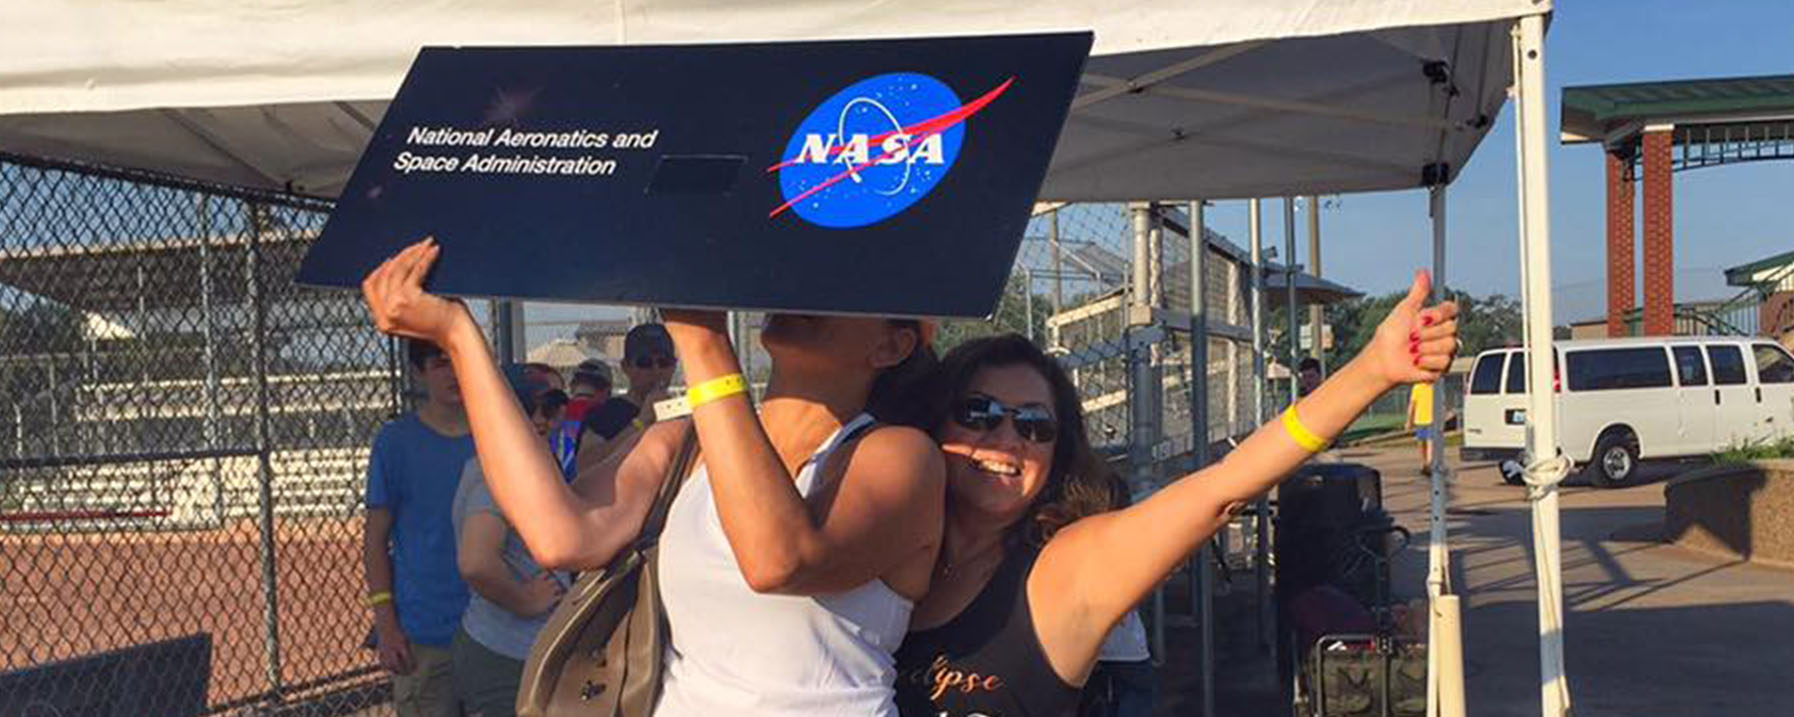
x: 408, y: 543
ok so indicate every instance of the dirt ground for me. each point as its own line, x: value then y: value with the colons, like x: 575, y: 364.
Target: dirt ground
x: 67, y: 595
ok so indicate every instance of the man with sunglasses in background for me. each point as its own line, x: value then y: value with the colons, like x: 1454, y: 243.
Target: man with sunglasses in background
x: 648, y: 363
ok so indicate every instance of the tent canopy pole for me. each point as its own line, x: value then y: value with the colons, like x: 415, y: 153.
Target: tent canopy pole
x: 1547, y: 466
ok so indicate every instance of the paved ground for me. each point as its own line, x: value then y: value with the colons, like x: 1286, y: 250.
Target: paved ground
x: 1651, y: 628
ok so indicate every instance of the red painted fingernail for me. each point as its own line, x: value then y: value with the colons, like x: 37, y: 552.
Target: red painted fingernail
x: 1414, y: 336
x: 1426, y: 320
x: 1417, y: 360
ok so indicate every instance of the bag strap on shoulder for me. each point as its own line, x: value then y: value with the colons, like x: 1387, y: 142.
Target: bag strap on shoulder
x: 677, y: 473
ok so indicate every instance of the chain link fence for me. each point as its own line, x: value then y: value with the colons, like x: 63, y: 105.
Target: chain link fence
x: 1080, y: 260
x: 184, y: 437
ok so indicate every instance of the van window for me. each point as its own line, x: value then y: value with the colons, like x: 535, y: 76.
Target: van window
x: 1773, y: 364
x: 1690, y: 367
x: 1486, y: 377
x: 1728, y: 365
x: 1516, y: 373
x: 1613, y: 369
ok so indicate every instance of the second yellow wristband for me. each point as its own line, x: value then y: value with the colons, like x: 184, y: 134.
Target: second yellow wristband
x: 715, y: 389
x: 1300, y: 433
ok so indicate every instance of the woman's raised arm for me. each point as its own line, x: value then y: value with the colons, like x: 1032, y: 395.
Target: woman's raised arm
x: 564, y: 529
x: 1107, y: 563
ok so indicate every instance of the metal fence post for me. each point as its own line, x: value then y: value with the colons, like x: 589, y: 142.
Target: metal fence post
x: 1316, y: 318
x: 1058, y: 262
x: 210, y: 356
x: 263, y: 459
x: 1261, y: 528
x: 1144, y: 384
x: 1289, y: 276
x: 1028, y: 302
x: 1202, y: 572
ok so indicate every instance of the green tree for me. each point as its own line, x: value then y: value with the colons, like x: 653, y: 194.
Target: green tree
x: 1012, y: 316
x: 1484, y: 322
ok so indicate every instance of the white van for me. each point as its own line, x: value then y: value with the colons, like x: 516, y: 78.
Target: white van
x: 1623, y: 400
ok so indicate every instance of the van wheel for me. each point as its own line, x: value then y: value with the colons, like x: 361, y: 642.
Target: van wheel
x: 1615, y: 461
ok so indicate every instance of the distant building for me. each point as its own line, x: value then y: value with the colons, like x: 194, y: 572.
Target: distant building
x: 1772, y: 279
x: 565, y: 354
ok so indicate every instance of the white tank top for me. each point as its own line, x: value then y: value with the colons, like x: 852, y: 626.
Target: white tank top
x: 738, y: 652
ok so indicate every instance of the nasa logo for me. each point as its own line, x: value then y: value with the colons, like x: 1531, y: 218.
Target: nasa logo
x: 874, y: 149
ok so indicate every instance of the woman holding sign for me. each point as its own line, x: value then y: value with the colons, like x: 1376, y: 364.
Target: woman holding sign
x: 791, y: 557
x: 1033, y: 574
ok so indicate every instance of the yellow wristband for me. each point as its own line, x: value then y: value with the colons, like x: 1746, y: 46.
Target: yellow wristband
x: 1303, y: 437
x: 379, y: 598
x: 716, y: 389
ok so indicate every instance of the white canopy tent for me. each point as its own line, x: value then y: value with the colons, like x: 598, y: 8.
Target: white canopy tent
x: 1201, y: 99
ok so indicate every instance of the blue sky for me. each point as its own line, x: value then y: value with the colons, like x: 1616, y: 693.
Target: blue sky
x: 1724, y: 216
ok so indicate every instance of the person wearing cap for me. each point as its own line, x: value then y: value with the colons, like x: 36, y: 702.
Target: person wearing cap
x: 512, y: 595
x: 590, y: 388
x: 648, y: 363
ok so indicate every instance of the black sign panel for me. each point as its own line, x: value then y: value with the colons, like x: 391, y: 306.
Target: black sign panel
x: 890, y: 177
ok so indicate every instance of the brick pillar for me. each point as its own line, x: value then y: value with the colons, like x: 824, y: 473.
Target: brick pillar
x: 1622, y: 239
x: 1659, y: 236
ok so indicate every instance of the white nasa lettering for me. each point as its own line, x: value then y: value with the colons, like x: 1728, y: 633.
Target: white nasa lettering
x: 930, y: 151
x: 815, y: 149
x: 856, y: 153
x: 893, y: 149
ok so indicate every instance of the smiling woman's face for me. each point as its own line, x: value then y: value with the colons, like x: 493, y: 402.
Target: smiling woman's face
x: 998, y: 471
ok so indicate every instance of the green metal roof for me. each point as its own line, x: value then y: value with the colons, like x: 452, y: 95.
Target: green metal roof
x: 1741, y: 275
x: 1591, y: 111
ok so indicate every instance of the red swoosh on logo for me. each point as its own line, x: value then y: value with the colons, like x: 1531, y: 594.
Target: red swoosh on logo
x: 919, y: 131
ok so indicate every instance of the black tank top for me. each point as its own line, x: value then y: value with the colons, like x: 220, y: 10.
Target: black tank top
x: 987, y: 661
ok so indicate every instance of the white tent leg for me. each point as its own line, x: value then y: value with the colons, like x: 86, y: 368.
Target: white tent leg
x: 1445, y: 668
x: 1541, y: 410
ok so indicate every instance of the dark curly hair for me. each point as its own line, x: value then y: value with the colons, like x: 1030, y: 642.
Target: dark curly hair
x: 1079, y: 483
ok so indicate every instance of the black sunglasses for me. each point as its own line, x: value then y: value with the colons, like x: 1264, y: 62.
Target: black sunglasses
x: 654, y: 361
x: 983, y: 413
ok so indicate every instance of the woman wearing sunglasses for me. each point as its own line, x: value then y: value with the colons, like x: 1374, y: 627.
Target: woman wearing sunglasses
x: 1033, y: 574
x: 793, y: 554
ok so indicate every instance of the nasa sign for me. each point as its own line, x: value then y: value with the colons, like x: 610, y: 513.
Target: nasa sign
x: 891, y: 177
x: 874, y: 149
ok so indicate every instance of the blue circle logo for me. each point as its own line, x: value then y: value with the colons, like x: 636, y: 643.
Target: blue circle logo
x: 874, y: 149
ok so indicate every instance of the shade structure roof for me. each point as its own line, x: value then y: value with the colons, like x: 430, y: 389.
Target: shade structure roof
x: 1598, y: 112
x: 1210, y: 98
x: 1310, y: 289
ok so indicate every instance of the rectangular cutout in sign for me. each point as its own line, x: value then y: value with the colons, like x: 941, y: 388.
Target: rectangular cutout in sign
x: 887, y: 177
x: 696, y: 174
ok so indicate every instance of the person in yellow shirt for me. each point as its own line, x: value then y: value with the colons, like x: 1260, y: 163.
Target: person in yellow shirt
x: 1420, y: 420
